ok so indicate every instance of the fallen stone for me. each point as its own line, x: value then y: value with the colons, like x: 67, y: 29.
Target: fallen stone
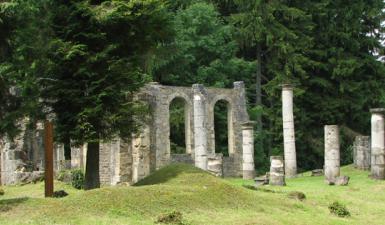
x: 297, y: 195
x: 262, y: 180
x: 29, y: 177
x: 342, y: 180
x: 317, y: 172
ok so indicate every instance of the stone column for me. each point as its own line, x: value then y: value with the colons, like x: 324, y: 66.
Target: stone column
x: 377, y: 144
x: 248, y: 150
x: 288, y: 131
x: 200, y: 130
x: 332, y: 153
x: 361, y: 152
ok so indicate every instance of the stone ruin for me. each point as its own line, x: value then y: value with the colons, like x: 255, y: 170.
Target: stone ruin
x: 22, y: 159
x: 361, y: 152
x: 149, y: 150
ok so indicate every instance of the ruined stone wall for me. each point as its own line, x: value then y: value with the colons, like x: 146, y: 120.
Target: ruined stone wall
x: 182, y: 158
x: 22, y: 158
x: 361, y: 152
x: 149, y: 149
x: 200, y: 134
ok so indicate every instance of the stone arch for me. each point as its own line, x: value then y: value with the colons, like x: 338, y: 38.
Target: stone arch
x: 230, y: 122
x: 187, y: 119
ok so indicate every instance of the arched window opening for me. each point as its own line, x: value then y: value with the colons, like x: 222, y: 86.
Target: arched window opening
x: 178, y: 109
x: 221, y: 127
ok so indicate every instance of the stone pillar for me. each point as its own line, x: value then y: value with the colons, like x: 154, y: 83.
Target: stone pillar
x: 288, y: 131
x: 361, y: 152
x: 248, y: 151
x: 277, y: 171
x: 141, y: 154
x: 332, y: 153
x: 377, y: 144
x: 200, y: 129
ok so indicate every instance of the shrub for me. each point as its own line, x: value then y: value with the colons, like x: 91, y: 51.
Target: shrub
x: 60, y: 194
x: 77, y: 177
x: 64, y: 176
x: 2, y: 192
x: 339, y: 209
x: 174, y: 217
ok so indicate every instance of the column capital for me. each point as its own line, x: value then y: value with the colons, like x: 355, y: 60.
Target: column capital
x: 248, y: 124
x: 287, y: 86
x: 377, y: 110
x: 239, y: 84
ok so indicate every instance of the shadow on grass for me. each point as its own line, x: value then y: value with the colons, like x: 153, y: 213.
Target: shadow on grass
x: 8, y: 204
x: 166, y: 173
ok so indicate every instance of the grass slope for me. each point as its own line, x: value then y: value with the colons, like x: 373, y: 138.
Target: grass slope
x: 201, y: 198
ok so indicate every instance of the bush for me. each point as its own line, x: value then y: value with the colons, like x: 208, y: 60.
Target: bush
x: 60, y: 194
x: 174, y: 217
x: 2, y: 192
x: 77, y: 177
x: 339, y: 209
x: 64, y: 176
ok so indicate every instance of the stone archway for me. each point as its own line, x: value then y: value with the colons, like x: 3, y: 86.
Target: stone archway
x: 181, y: 105
x: 218, y: 128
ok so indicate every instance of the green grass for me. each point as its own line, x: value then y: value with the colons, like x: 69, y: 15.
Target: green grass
x: 201, y: 198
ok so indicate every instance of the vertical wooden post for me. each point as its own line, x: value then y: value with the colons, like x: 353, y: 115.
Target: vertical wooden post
x: 48, y: 146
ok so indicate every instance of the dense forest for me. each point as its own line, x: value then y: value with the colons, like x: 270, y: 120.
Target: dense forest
x: 83, y: 61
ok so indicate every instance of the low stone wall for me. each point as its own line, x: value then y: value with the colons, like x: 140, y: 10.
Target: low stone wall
x: 215, y: 164
x: 182, y: 158
x: 229, y: 168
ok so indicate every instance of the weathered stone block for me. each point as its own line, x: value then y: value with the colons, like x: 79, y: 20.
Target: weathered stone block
x: 277, y: 171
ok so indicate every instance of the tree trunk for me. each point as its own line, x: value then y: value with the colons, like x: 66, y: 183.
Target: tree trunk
x: 92, y: 167
x: 258, y: 92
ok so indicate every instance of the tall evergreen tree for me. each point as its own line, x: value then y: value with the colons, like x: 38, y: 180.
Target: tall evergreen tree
x: 95, y: 64
x: 277, y: 35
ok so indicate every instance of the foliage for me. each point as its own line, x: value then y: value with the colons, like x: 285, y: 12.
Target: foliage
x: 175, y: 217
x: 84, y: 60
x: 339, y: 209
x: 77, y: 179
x: 203, y: 51
x: 59, y: 194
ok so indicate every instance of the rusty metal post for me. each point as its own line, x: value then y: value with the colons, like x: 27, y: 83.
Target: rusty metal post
x: 48, y: 146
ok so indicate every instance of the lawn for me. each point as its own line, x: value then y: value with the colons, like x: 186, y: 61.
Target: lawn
x: 201, y: 199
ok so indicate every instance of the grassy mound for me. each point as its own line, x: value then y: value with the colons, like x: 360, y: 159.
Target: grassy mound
x: 190, y: 196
